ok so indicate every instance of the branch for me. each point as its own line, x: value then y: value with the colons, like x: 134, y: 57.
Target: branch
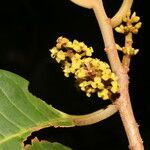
x: 108, y: 37
x: 127, y: 58
x: 123, y: 103
x: 117, y: 19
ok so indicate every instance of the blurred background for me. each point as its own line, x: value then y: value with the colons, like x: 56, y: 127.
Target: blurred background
x: 28, y: 29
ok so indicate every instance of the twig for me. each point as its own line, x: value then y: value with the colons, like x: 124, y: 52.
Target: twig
x: 123, y: 103
x: 117, y: 19
x: 127, y: 58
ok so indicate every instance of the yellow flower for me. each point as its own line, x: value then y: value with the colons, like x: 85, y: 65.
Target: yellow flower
x: 103, y: 94
x: 89, y: 51
x: 53, y: 51
x: 97, y: 83
x: 106, y: 74
x: 105, y: 77
x: 80, y: 73
x: 89, y: 91
x: 76, y: 46
x: 61, y: 41
x: 69, y: 44
x: 114, y: 87
x: 60, y: 56
x: 114, y: 77
x: 103, y: 65
x: 83, y: 46
x: 66, y: 69
x: 72, y: 69
x: 83, y: 85
x: 76, y: 62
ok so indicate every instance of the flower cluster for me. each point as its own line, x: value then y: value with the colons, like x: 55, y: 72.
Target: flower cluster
x: 127, y: 50
x: 132, y: 24
x: 91, y: 74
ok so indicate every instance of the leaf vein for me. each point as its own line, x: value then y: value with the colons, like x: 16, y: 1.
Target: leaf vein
x: 26, y: 96
x: 16, y: 106
x: 11, y: 122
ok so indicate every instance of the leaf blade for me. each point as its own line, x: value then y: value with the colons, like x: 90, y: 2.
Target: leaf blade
x: 21, y: 113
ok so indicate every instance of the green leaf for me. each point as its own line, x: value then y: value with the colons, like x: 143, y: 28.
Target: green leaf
x: 21, y: 113
x: 44, y: 145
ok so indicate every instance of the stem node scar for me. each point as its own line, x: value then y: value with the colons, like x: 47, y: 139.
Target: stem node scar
x: 108, y: 20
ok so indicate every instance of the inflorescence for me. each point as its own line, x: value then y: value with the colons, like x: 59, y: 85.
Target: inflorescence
x: 91, y: 74
x: 130, y: 25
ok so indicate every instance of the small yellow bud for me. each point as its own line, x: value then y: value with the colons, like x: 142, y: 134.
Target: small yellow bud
x: 129, y: 27
x: 119, y: 30
x: 133, y: 15
x: 136, y: 51
x: 138, y: 25
x: 135, y: 19
x: 118, y: 47
x: 130, y: 50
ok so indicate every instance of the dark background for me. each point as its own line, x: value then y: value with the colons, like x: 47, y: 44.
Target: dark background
x: 29, y: 28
